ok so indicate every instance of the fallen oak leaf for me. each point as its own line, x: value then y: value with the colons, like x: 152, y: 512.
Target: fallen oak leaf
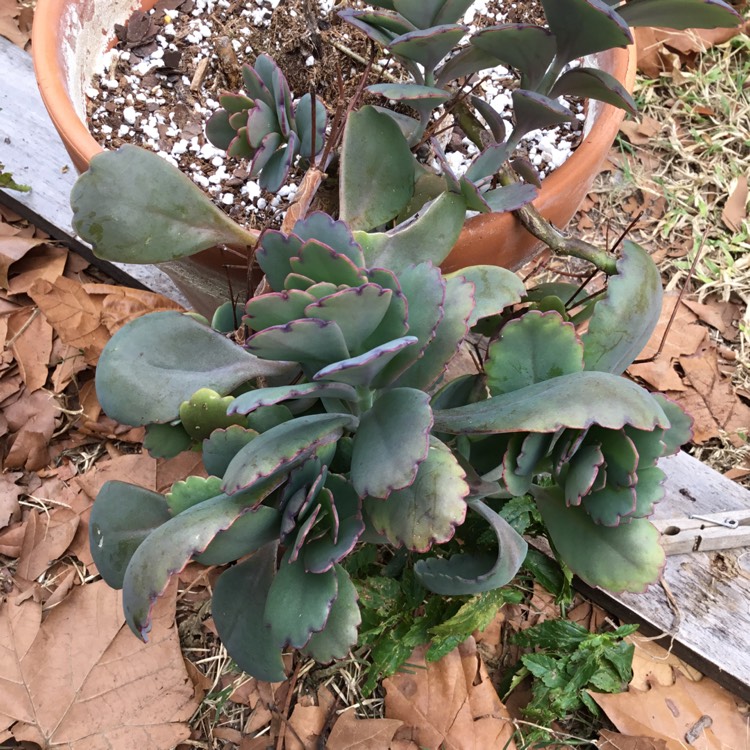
x: 31, y: 335
x: 46, y: 538
x: 12, y: 249
x: 44, y: 262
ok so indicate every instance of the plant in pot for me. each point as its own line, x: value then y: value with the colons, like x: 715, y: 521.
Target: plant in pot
x: 420, y: 36
x: 323, y: 406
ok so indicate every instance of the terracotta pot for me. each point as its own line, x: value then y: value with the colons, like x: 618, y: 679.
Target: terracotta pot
x: 68, y: 35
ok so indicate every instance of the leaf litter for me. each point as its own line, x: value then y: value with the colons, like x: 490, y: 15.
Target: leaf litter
x: 62, y: 448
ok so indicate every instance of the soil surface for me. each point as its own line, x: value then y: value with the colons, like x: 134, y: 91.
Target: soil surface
x: 163, y: 79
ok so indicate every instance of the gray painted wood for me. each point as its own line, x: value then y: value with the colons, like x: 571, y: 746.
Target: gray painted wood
x: 711, y: 589
x: 33, y: 153
x: 711, y: 627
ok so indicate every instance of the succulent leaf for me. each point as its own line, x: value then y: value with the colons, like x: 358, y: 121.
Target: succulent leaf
x: 621, y: 558
x: 274, y: 253
x: 166, y: 440
x: 241, y: 628
x: 582, y: 27
x: 592, y: 83
x: 276, y: 309
x: 578, y: 401
x: 428, y: 511
x: 166, y: 218
x: 428, y: 46
x: 121, y: 518
x: 466, y: 574
x: 680, y: 429
x: 191, y: 491
x: 451, y: 331
x: 335, y: 234
x: 340, y: 633
x: 318, y: 261
x: 298, y: 603
x: 169, y: 548
x: 381, y: 464
x: 534, y: 111
x: 624, y: 320
x: 252, y: 400
x: 206, y: 411
x: 680, y: 14
x: 531, y: 349
x: 610, y: 505
x: 581, y: 474
x: 429, y: 238
x: 282, y: 448
x: 377, y: 170
x: 525, y: 47
x: 222, y: 446
x: 495, y: 289
x: 155, y: 362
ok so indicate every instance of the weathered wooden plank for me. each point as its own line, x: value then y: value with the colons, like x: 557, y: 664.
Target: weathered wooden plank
x: 705, y: 616
x: 32, y: 151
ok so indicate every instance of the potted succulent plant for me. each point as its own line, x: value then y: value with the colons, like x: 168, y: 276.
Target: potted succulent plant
x: 321, y: 403
x: 425, y: 39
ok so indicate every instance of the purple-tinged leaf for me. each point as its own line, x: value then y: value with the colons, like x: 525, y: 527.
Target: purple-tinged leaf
x: 240, y: 148
x: 516, y: 482
x: 391, y: 442
x: 527, y: 172
x: 340, y: 633
x: 303, y: 530
x: 526, y: 47
x: 627, y: 557
x: 335, y: 234
x: 252, y: 400
x: 428, y: 46
x: 582, y: 27
x: 649, y: 491
x: 495, y: 289
x: 281, y: 448
x: 298, y: 603
x: 592, y: 83
x: 274, y: 252
x: 276, y: 309
x: 531, y: 349
x: 492, y: 117
x: 276, y: 169
x: 680, y: 425
x: 429, y: 510
x: 358, y: 311
x: 218, y: 130
x: 171, y: 546
x: 366, y: 368
x: 510, y: 197
x: 320, y: 262
x: 534, y: 111
x: 451, y: 11
x: 422, y: 13
x: 241, y: 628
x: 489, y: 161
x: 282, y: 101
x: 235, y: 102
x: 451, y: 331
x: 465, y: 63
x: 620, y: 455
x: 466, y: 574
x: 263, y: 154
x: 380, y: 27
x: 222, y: 446
x: 578, y: 401
x: 303, y: 119
x: 261, y: 121
x: 610, y: 505
x: 255, y: 86
x: 583, y: 470
x: 312, y: 342
x: 121, y: 518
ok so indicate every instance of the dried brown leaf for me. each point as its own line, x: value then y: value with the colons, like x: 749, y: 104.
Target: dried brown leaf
x: 351, y: 733
x: 47, y: 537
x: 9, y: 494
x: 75, y: 316
x: 641, y: 131
x: 32, y: 418
x: 669, y: 713
x: 711, y: 400
x: 735, y: 209
x: 13, y: 248
x: 83, y: 682
x: 45, y: 262
x: 31, y: 335
x: 685, y: 336
x: 304, y: 727
x: 450, y: 703
x: 614, y: 741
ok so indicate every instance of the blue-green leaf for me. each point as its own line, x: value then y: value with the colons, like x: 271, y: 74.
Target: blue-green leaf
x: 241, y: 627
x: 155, y: 362
x: 121, y: 518
x: 391, y: 442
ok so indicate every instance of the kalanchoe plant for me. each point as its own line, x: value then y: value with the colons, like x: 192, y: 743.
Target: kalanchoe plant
x: 322, y: 407
x: 333, y: 425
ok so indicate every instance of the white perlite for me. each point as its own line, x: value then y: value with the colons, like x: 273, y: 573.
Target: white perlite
x: 224, y: 179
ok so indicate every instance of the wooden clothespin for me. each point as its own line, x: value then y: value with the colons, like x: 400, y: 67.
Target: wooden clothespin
x: 714, y: 531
